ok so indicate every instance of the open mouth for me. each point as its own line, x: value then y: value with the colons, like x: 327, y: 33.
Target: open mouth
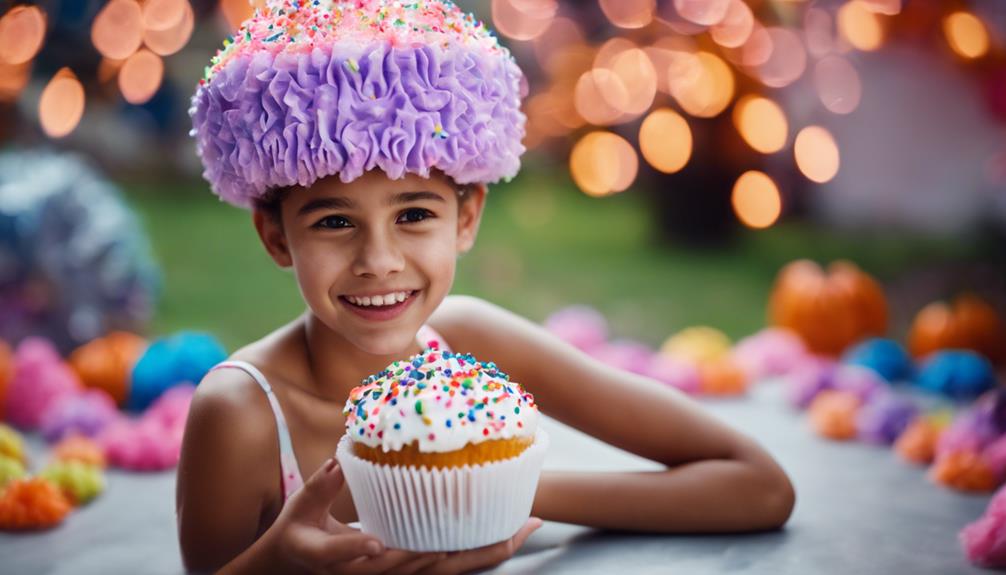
x: 379, y: 306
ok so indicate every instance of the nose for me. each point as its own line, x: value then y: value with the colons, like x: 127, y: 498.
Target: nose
x: 377, y: 256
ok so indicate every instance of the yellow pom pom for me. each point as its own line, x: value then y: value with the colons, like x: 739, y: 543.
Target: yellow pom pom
x: 80, y: 482
x: 699, y: 344
x: 10, y: 469
x: 11, y: 444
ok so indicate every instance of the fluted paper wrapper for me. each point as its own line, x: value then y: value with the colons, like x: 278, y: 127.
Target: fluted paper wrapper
x: 450, y: 509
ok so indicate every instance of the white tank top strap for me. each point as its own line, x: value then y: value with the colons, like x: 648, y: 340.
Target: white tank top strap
x: 290, y: 471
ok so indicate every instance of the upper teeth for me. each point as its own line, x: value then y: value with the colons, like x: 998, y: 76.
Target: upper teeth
x: 386, y: 299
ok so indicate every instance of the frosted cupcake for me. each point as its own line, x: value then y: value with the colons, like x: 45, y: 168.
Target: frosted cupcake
x: 441, y: 453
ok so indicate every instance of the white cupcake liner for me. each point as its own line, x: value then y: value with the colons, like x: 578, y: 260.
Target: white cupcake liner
x: 451, y: 509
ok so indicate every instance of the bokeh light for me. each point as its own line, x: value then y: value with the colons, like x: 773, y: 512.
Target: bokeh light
x: 141, y: 76
x: 885, y: 7
x: 523, y: 19
x: 22, y: 30
x: 61, y: 105
x: 787, y: 61
x: 758, y: 48
x: 761, y: 123
x: 702, y: 12
x: 600, y: 96
x: 816, y: 154
x: 237, y: 11
x: 163, y: 14
x: 837, y: 84
x: 665, y: 140
x: 13, y: 79
x: 756, y: 200
x: 703, y: 85
x: 639, y: 77
x: 117, y: 31
x: 170, y: 40
x: 603, y: 163
x: 561, y: 38
x: 736, y: 27
x: 629, y: 13
x: 819, y: 32
x: 667, y: 55
x: 966, y: 34
x: 860, y: 26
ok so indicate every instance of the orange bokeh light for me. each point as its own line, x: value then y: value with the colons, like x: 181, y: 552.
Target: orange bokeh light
x: 665, y: 140
x: 167, y: 42
x: 966, y: 35
x: 603, y: 163
x: 702, y: 12
x: 816, y: 154
x: 562, y: 36
x: 235, y: 12
x: 141, y: 76
x: 22, y: 31
x: 13, y: 79
x: 860, y: 26
x: 736, y: 27
x: 638, y: 76
x: 600, y: 96
x: 523, y: 19
x: 761, y: 123
x: 629, y: 13
x: 62, y: 104
x: 163, y: 14
x: 702, y: 84
x: 756, y: 200
x: 117, y: 31
x: 758, y: 48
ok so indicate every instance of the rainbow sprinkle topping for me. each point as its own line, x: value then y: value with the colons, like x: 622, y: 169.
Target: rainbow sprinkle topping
x: 302, y: 25
x: 442, y: 401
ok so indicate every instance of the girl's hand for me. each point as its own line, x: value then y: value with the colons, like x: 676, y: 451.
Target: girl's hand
x: 305, y: 533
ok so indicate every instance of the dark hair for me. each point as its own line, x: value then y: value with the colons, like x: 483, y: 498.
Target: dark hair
x: 271, y: 202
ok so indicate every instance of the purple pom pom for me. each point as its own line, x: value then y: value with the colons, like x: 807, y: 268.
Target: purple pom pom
x: 807, y: 379
x: 84, y: 413
x: 882, y: 419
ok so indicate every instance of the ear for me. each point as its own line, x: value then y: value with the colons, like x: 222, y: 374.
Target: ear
x: 470, y: 215
x: 270, y: 232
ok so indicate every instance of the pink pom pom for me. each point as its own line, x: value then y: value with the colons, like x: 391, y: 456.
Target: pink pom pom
x: 770, y: 352
x: 85, y: 413
x: 40, y: 379
x: 172, y: 408
x: 984, y: 541
x: 141, y: 444
x: 579, y: 325
x: 995, y: 457
x: 674, y: 372
x: 627, y: 355
x: 862, y: 382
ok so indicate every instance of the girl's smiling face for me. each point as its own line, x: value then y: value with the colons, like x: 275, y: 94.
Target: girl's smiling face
x: 375, y: 257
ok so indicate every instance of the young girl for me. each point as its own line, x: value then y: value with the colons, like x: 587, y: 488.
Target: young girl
x: 362, y: 136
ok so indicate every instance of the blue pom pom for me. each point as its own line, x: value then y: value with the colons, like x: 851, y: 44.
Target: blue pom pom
x: 183, y: 357
x: 959, y: 374
x: 884, y: 356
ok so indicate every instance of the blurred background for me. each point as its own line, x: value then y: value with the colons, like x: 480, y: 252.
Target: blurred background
x: 680, y: 152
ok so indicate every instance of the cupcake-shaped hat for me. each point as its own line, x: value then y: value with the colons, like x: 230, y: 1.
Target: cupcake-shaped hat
x: 313, y: 88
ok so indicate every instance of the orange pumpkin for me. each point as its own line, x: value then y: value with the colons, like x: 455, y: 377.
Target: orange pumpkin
x: 969, y: 323
x: 830, y: 311
x: 107, y: 362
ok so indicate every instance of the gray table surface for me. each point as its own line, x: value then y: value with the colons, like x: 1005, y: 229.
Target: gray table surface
x: 859, y: 510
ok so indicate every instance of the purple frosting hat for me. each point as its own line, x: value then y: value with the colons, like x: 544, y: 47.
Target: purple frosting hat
x: 312, y: 88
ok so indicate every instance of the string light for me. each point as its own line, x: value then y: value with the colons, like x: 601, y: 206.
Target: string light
x: 61, y: 105
x: 117, y: 31
x: 761, y: 123
x: 665, y: 140
x: 141, y: 76
x: 966, y: 35
x: 816, y: 154
x: 603, y: 163
x: 756, y: 200
x: 22, y: 31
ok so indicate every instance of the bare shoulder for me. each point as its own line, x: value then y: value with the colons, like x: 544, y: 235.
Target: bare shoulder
x: 471, y: 320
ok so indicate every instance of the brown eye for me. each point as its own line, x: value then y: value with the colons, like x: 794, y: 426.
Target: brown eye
x: 414, y: 215
x: 332, y: 223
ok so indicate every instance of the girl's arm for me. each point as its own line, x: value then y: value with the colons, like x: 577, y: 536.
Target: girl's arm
x: 717, y: 479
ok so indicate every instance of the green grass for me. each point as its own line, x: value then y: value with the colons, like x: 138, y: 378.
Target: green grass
x: 542, y: 245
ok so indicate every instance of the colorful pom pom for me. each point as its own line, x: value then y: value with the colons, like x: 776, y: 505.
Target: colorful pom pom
x: 917, y: 443
x: 40, y: 379
x: 85, y: 413
x: 79, y: 481
x: 808, y: 379
x: 984, y: 541
x: 10, y: 469
x: 722, y: 377
x: 626, y: 355
x: 106, y: 363
x: 862, y: 382
x: 82, y: 449
x: 11, y: 443
x: 697, y: 344
x: 579, y: 325
x: 6, y: 374
x: 184, y: 357
x: 965, y: 471
x: 32, y: 504
x: 884, y: 356
x: 141, y: 445
x: 884, y: 417
x: 769, y: 353
x: 833, y: 414
x: 957, y: 373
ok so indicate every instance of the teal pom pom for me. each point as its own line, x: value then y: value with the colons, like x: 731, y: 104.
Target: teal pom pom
x: 183, y: 357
